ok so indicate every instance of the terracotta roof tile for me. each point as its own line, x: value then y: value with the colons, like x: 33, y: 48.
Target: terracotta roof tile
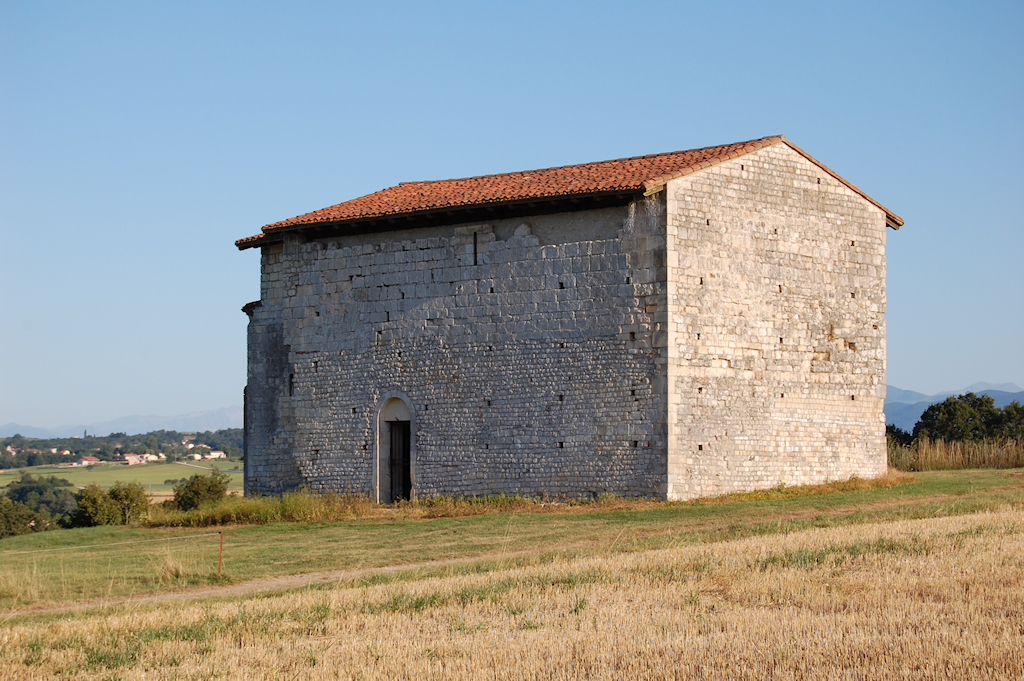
x: 638, y: 173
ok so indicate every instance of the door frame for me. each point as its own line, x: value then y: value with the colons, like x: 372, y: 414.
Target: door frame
x: 381, y: 443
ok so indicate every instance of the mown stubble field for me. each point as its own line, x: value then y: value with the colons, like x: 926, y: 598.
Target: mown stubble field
x: 912, y: 599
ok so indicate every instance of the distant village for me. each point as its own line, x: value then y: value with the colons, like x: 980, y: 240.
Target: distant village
x: 120, y: 449
x: 128, y: 458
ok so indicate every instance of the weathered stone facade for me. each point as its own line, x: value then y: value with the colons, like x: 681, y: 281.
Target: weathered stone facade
x: 725, y: 332
x: 776, y: 278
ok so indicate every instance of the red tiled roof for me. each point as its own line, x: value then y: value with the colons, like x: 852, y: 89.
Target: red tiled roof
x: 638, y: 173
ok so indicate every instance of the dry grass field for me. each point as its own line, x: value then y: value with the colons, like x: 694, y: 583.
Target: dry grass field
x: 909, y: 599
x: 333, y: 535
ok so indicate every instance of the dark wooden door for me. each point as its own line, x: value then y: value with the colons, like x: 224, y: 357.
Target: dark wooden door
x: 401, y: 475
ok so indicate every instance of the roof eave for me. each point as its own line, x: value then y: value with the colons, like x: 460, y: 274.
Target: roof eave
x: 252, y: 242
x: 274, y: 234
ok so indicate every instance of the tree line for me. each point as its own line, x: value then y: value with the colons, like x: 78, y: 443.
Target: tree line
x: 964, y: 418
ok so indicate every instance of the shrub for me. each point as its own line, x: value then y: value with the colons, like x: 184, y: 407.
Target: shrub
x: 47, y: 496
x: 200, y: 490
x: 16, y: 518
x: 131, y: 501
x: 95, y: 507
x: 896, y: 435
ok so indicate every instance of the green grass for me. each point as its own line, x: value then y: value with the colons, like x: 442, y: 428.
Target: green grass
x: 150, y: 475
x: 183, y: 557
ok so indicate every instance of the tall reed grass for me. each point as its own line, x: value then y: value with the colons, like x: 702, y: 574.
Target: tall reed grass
x: 304, y: 506
x: 937, y: 455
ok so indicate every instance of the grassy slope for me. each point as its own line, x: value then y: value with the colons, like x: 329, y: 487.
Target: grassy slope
x: 150, y: 475
x: 292, y: 548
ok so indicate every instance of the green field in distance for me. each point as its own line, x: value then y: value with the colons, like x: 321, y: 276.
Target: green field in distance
x: 149, y: 475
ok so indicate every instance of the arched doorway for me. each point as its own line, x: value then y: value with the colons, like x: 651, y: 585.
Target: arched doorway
x: 394, y: 470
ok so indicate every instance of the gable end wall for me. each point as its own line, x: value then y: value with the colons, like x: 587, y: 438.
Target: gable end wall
x: 761, y: 248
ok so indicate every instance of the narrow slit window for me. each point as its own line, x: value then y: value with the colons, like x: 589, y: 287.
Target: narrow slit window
x: 475, y: 240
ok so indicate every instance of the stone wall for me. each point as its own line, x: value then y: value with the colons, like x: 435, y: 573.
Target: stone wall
x: 776, y: 293
x: 525, y: 349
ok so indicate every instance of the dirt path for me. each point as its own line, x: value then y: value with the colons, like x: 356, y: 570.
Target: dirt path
x: 285, y: 582
x: 278, y: 583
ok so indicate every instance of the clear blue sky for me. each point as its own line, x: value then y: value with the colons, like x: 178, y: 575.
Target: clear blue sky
x: 140, y: 139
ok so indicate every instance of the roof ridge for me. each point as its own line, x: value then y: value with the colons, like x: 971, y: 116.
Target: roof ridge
x: 780, y: 138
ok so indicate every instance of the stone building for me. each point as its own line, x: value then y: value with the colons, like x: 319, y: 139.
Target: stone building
x: 674, y: 325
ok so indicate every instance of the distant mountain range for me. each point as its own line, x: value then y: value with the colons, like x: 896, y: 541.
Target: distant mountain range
x: 228, y: 417
x: 903, y: 408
